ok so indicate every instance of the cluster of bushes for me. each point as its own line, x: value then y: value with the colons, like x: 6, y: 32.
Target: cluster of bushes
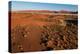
x: 56, y: 37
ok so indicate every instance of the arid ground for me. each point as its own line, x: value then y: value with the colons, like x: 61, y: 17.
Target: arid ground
x: 43, y: 31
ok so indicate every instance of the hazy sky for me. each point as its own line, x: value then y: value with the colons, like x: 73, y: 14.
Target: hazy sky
x: 19, y: 5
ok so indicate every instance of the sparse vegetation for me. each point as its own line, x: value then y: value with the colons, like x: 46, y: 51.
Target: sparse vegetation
x: 42, y: 32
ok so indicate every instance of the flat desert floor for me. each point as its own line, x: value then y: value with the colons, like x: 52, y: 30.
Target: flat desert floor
x: 43, y: 32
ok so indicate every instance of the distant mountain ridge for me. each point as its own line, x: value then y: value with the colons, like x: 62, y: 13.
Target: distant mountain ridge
x: 48, y: 11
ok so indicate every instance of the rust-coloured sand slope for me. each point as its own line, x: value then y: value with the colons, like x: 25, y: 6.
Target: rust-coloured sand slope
x: 42, y: 32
